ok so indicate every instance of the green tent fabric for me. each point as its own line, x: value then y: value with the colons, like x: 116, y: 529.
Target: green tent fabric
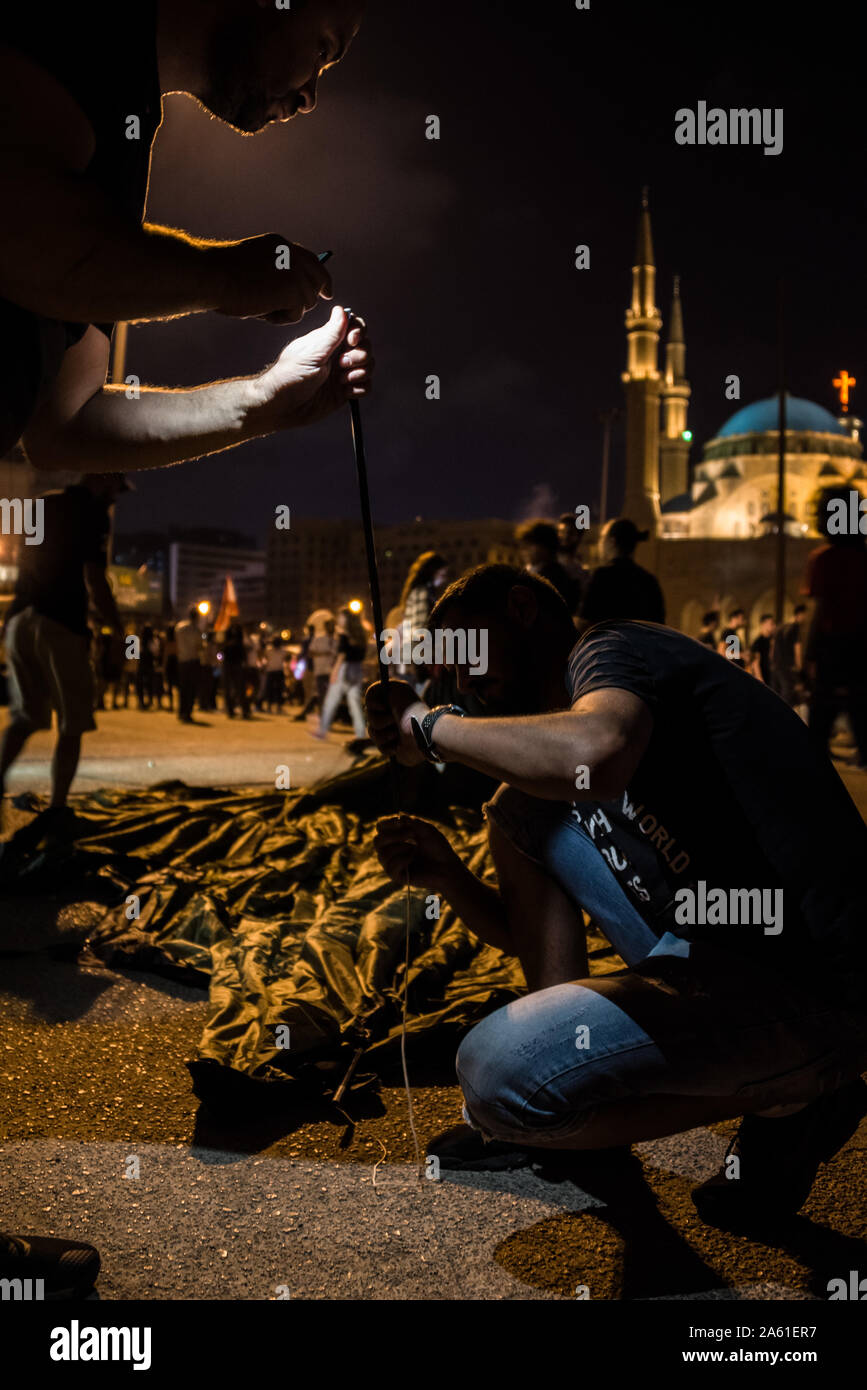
x: 277, y: 904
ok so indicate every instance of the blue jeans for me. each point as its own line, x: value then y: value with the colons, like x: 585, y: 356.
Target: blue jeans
x: 685, y: 1018
x: 347, y: 686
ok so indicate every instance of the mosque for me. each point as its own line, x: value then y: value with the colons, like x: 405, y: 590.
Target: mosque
x: 713, y: 526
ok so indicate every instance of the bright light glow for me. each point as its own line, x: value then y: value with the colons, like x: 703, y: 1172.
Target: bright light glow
x: 355, y: 605
x: 204, y: 607
x: 842, y: 383
x: 686, y: 434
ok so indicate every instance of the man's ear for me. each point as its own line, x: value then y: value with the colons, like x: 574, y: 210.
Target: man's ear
x: 521, y: 605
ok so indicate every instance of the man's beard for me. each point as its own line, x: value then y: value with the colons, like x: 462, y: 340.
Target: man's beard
x: 519, y: 695
x: 234, y: 92
x: 520, y: 690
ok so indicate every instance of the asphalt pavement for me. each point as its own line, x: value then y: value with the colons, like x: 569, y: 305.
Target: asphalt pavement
x: 103, y: 1139
x: 138, y: 748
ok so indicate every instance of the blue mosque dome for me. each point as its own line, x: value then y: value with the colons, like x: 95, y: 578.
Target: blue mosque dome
x: 764, y: 415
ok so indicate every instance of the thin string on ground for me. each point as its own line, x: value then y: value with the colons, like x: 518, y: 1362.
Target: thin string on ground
x: 406, y: 1085
x: 379, y: 1160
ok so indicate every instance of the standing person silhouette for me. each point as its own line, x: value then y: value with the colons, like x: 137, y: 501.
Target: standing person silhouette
x: 836, y: 650
x: 353, y: 636
x: 620, y: 588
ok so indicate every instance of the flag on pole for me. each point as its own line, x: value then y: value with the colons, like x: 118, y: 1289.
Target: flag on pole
x: 228, y: 606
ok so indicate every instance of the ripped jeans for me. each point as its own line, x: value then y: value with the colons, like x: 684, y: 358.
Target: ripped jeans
x: 684, y: 1019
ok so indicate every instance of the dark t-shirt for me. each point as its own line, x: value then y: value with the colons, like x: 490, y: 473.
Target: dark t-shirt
x: 352, y: 651
x: 622, y: 589
x: 837, y: 580
x: 104, y: 54
x: 234, y: 651
x: 761, y: 647
x: 730, y: 791
x: 784, y: 648
x: 51, y: 575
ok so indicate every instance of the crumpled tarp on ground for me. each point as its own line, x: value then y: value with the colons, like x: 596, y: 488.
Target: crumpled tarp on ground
x: 277, y: 904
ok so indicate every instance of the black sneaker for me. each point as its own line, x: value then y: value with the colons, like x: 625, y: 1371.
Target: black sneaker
x: 779, y: 1159
x: 462, y: 1148
x: 68, y: 1267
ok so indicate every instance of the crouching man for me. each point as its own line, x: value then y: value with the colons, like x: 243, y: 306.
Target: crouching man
x: 651, y: 784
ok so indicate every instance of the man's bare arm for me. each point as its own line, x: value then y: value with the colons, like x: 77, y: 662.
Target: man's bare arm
x: 86, y: 426
x: 586, y: 753
x: 544, y: 927
x: 408, y: 845
x: 529, y: 916
x: 89, y: 427
x: 605, y: 732
x: 479, y: 906
x: 67, y: 253
x: 101, y: 596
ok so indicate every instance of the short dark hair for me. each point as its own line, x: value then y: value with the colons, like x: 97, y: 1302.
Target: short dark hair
x: 765, y: 616
x: 800, y: 608
x: 827, y: 497
x: 542, y: 533
x: 487, y: 587
x: 625, y: 534
x: 711, y: 617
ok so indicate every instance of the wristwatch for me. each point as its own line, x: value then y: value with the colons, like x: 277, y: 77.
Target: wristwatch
x: 422, y: 730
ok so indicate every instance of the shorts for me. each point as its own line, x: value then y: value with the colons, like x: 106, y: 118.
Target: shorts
x: 49, y: 669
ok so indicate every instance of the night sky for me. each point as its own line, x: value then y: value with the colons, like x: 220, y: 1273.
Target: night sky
x: 460, y: 253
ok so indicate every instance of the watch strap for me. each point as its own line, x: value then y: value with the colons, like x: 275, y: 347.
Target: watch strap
x: 423, y: 729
